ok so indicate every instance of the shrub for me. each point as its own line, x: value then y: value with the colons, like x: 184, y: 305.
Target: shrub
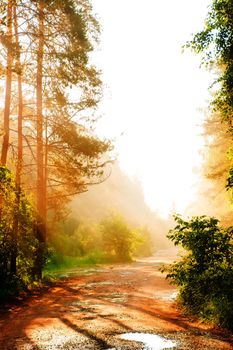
x: 111, y: 240
x: 205, y: 274
x: 117, y: 237
x: 17, y: 241
x: 143, y: 243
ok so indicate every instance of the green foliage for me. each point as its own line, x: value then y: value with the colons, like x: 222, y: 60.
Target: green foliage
x: 229, y: 185
x: 58, y: 38
x: 15, y: 240
x: 117, y: 237
x: 205, y: 274
x: 58, y: 262
x: 76, y: 244
x: 74, y: 238
x: 143, y: 243
x: 215, y: 42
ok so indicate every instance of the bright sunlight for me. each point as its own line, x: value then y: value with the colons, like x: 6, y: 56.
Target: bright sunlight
x: 153, y: 94
x: 116, y: 174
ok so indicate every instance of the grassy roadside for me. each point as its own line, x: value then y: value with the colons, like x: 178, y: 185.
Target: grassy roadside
x: 57, y: 268
x: 60, y: 264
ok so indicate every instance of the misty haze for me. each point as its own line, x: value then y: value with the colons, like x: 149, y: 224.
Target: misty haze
x: 116, y: 175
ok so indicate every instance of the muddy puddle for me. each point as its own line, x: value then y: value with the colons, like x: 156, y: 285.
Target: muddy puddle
x: 170, y: 296
x: 85, y: 306
x: 92, y: 285
x: 77, y: 272
x: 116, y: 297
x: 149, y: 341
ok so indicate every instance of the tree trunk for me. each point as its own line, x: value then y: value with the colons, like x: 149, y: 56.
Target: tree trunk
x: 20, y: 102
x: 45, y: 173
x: 7, y: 106
x: 40, y: 227
x: 20, y: 145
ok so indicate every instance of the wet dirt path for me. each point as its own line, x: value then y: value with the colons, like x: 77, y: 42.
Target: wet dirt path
x: 92, y: 307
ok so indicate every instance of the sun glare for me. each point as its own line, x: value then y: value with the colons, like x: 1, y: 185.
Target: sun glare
x: 154, y: 92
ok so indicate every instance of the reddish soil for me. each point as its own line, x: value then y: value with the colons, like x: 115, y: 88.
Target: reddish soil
x: 90, y: 308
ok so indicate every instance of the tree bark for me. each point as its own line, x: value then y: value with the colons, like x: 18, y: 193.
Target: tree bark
x: 40, y: 227
x: 5, y: 145
x: 13, y: 267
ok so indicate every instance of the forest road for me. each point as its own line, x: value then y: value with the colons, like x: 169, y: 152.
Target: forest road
x: 91, y: 308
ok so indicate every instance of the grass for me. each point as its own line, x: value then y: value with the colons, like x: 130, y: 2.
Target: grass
x: 60, y: 263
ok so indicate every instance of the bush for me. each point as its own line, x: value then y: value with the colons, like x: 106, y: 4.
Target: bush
x: 75, y: 239
x: 18, y: 245
x: 143, y: 243
x: 117, y: 238
x: 205, y: 275
x: 110, y: 241
x: 57, y: 262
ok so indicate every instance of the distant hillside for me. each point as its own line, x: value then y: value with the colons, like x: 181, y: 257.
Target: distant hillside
x: 124, y: 195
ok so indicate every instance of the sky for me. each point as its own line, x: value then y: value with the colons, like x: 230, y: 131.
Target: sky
x: 154, y: 94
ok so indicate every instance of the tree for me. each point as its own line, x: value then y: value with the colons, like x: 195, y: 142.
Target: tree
x: 67, y: 32
x: 205, y: 274
x: 117, y: 237
x: 53, y: 146
x: 22, y: 247
x: 15, y: 231
x: 217, y: 159
x: 41, y: 194
x: 143, y: 242
x: 215, y: 43
x: 8, y: 44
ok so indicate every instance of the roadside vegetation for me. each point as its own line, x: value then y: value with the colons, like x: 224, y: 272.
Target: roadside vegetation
x: 17, y: 240
x: 112, y: 240
x: 50, y: 92
x: 49, y: 149
x: 204, y: 275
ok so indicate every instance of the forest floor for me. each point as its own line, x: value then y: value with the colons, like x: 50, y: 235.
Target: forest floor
x: 91, y: 308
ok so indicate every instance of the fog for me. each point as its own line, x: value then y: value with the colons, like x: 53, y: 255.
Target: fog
x: 124, y: 195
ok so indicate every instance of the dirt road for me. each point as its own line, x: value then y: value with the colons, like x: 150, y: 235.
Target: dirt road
x: 91, y: 308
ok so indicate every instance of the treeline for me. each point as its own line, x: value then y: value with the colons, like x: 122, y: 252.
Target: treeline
x: 49, y: 152
x: 112, y: 239
x: 124, y: 195
x: 205, y: 273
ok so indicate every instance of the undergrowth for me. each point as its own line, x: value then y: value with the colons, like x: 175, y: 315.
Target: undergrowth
x: 204, y: 276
